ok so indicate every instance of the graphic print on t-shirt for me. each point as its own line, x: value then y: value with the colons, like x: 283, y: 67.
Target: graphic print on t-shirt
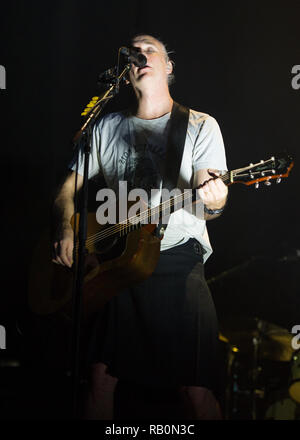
x: 142, y: 169
x: 144, y: 160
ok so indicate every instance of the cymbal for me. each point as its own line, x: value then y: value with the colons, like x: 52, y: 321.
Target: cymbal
x: 274, y: 342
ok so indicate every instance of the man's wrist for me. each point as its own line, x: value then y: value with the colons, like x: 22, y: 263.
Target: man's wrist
x: 214, y: 211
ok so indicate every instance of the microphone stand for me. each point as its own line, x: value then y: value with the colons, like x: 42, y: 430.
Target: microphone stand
x: 82, y: 139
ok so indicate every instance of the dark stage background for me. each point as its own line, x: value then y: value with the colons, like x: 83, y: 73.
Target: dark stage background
x: 233, y: 60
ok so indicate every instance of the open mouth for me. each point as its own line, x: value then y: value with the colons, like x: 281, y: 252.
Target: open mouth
x: 140, y: 69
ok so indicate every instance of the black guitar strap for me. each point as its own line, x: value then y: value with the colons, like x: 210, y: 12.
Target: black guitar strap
x: 174, y: 151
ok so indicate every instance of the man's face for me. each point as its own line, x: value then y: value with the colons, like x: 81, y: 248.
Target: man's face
x: 157, y: 68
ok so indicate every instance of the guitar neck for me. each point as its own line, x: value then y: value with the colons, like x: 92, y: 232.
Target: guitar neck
x: 186, y: 198
x: 263, y: 171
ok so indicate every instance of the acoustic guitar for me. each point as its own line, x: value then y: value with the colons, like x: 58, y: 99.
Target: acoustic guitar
x: 123, y: 254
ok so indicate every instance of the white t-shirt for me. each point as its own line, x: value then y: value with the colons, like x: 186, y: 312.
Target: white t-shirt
x: 127, y: 148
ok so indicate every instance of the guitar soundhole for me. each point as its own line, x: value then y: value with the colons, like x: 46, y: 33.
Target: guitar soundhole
x: 110, y: 247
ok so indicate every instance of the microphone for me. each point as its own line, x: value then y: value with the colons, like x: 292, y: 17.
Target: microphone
x: 135, y: 57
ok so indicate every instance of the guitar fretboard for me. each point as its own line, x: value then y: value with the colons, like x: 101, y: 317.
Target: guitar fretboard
x: 261, y: 171
x: 153, y: 215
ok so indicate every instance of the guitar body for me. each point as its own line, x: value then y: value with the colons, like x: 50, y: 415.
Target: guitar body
x: 116, y: 258
x: 121, y: 262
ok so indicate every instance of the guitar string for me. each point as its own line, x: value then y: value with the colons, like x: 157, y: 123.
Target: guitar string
x: 148, y: 214
x: 143, y: 216
x: 152, y: 212
x: 120, y: 227
x: 239, y: 170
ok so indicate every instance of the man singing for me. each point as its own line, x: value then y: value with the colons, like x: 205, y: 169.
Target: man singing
x: 161, y: 334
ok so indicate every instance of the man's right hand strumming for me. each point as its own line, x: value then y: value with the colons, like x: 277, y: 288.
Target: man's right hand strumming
x: 63, y: 248
x: 63, y: 210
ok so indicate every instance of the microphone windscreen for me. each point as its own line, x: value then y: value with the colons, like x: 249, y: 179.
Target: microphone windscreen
x: 125, y: 51
x: 141, y: 60
x: 135, y: 57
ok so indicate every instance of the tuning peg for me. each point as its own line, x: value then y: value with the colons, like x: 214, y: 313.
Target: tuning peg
x: 278, y: 180
x: 268, y: 183
x: 257, y: 185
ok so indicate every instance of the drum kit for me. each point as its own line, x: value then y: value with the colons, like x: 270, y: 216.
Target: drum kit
x: 262, y: 370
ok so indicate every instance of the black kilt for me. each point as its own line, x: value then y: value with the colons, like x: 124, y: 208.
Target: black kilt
x: 164, y: 331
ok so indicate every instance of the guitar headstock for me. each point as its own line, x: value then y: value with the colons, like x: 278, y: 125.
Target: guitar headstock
x: 263, y: 171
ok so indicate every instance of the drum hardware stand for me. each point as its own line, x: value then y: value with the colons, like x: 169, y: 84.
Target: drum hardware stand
x: 255, y: 372
x: 232, y: 386
x: 233, y: 391
x: 256, y: 369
